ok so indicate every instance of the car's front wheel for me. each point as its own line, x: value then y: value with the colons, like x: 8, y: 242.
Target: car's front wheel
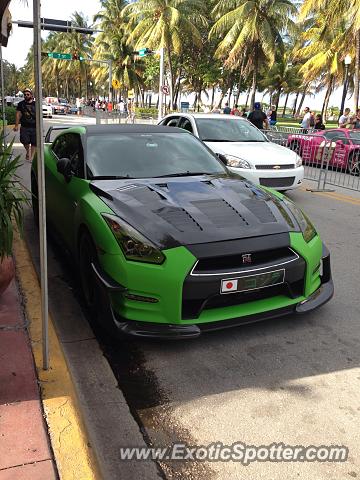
x: 95, y: 294
x: 354, y: 163
x: 35, y: 199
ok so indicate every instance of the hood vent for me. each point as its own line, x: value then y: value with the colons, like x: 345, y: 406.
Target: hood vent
x: 179, y: 218
x: 260, y: 209
x: 220, y: 212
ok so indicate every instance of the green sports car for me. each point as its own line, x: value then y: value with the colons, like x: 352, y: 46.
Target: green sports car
x: 168, y: 242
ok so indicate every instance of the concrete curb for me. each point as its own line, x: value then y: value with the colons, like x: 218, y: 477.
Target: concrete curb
x: 69, y: 439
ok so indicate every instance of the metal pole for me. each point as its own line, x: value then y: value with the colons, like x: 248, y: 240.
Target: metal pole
x: 110, y: 81
x: 344, y: 91
x: 41, y: 184
x: 3, y: 97
x: 161, y: 80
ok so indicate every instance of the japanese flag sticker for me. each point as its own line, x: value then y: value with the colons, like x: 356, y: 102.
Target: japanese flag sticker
x: 229, y: 286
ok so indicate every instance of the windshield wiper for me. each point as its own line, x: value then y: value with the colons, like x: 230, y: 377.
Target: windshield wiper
x: 110, y: 177
x: 183, y: 174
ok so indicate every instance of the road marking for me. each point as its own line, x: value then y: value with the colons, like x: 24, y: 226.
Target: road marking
x: 337, y: 196
x: 69, y: 440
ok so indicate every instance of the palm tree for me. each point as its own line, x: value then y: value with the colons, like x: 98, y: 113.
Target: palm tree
x: 334, y: 13
x: 80, y: 44
x: 164, y: 23
x: 111, y: 44
x: 252, y: 26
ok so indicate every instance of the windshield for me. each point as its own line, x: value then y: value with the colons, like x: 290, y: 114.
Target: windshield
x: 355, y: 137
x: 227, y: 130
x: 148, y: 155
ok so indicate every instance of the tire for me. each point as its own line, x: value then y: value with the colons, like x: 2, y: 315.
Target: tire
x: 96, y: 297
x: 353, y: 165
x: 34, y: 199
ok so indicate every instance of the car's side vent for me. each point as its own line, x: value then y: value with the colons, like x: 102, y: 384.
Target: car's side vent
x: 178, y: 218
x: 220, y: 212
x: 260, y: 209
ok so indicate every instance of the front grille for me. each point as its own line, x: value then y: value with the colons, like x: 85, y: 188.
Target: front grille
x: 277, y: 182
x: 234, y: 263
x: 271, y: 167
x: 201, y: 288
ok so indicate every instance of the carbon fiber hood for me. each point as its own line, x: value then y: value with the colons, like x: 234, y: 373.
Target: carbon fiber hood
x: 195, y: 210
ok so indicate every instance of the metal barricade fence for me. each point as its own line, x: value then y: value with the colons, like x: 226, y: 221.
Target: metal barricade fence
x: 116, y: 117
x: 329, y: 158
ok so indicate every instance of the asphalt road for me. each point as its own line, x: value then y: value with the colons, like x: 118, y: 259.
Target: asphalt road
x: 294, y: 380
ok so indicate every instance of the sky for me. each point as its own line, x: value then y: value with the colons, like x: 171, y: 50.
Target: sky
x: 22, y: 38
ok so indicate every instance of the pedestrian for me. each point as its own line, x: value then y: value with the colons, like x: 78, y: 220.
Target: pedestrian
x: 319, y: 125
x: 305, y: 122
x: 79, y: 106
x: 235, y: 111
x: 344, y: 119
x: 244, y: 113
x: 9, y: 100
x: 258, y: 118
x: 355, y: 121
x: 312, y: 119
x: 272, y: 115
x: 227, y: 109
x: 26, y: 117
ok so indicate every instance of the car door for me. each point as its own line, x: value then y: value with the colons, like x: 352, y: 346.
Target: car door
x: 62, y: 195
x: 338, y: 144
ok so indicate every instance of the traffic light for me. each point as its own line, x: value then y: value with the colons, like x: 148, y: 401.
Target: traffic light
x: 75, y: 56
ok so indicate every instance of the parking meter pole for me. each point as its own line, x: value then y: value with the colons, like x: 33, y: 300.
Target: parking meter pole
x: 161, y: 82
x: 110, y: 81
x: 41, y: 183
x: 3, y: 97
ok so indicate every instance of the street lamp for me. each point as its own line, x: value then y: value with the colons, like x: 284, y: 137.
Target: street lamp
x: 347, y: 61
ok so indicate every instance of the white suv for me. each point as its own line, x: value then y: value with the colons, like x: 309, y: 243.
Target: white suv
x: 246, y: 149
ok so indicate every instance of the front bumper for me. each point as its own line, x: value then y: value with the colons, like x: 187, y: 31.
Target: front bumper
x: 169, y: 331
x: 284, y: 179
x: 320, y: 293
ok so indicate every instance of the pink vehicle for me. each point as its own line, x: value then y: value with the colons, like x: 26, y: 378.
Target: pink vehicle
x: 343, y: 145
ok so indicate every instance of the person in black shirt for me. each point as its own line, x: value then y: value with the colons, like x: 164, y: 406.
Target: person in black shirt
x: 25, y: 115
x: 258, y: 118
x: 319, y: 125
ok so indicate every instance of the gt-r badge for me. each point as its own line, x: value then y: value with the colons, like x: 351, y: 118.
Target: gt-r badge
x: 276, y: 167
x: 246, y: 258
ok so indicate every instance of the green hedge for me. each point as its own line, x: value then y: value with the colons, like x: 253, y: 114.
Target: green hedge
x: 10, y: 113
x: 147, y: 111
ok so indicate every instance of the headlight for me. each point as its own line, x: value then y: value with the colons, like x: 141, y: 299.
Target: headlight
x: 134, y: 245
x: 298, y: 161
x: 307, y: 228
x: 237, y: 162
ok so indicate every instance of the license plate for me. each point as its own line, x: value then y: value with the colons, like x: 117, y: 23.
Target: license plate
x: 252, y: 282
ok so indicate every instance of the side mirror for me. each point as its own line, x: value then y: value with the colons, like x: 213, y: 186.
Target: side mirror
x: 222, y: 158
x: 64, y: 167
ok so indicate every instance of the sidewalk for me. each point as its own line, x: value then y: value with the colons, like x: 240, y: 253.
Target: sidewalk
x: 25, y: 452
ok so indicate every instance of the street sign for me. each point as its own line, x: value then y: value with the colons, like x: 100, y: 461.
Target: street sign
x: 144, y: 51
x: 60, y: 56
x: 184, y: 104
x: 165, y: 90
x: 131, y: 93
x: 116, y: 83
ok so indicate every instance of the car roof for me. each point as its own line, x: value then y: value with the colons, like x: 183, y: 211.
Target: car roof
x: 138, y: 128
x: 208, y: 115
